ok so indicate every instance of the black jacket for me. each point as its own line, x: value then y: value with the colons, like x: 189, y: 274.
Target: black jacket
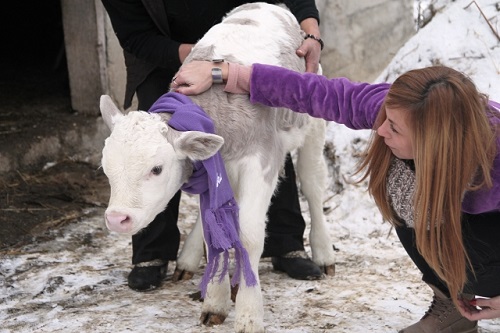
x: 150, y: 31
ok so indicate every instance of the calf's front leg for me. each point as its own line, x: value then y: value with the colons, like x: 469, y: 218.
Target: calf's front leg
x: 254, y: 196
x: 191, y: 253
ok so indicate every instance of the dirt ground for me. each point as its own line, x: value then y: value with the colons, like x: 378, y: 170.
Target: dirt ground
x: 34, y: 203
x: 38, y: 198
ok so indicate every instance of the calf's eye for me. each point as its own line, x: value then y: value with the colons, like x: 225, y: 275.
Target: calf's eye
x: 156, y: 170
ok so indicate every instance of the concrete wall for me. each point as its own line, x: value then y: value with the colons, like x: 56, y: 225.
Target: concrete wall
x: 84, y: 42
x: 116, y: 73
x: 362, y: 36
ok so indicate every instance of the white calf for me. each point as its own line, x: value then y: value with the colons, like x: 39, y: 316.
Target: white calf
x: 147, y: 161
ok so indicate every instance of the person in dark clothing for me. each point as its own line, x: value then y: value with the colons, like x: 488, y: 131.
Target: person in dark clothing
x: 156, y: 37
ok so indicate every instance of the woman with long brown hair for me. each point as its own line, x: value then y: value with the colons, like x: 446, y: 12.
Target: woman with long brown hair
x: 433, y: 169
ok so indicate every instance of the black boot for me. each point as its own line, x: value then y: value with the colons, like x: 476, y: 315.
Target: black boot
x: 297, y: 265
x: 147, y: 275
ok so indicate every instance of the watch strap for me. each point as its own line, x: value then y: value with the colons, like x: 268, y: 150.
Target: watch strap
x: 217, y: 75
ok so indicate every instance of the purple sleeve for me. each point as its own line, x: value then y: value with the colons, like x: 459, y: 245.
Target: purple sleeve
x: 355, y: 105
x: 487, y: 199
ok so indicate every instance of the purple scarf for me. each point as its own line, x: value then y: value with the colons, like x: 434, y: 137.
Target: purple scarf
x: 219, y: 210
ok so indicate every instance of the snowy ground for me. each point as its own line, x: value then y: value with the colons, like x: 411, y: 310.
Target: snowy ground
x: 77, y: 282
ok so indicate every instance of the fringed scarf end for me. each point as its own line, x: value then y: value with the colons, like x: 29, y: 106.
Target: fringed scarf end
x: 221, y: 237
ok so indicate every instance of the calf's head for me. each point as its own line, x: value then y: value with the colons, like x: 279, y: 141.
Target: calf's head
x: 146, y: 163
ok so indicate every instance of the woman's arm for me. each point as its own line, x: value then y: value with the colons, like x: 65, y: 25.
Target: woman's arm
x: 355, y: 105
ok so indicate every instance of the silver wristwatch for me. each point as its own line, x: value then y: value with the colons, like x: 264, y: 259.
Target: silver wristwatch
x: 217, y: 75
x: 217, y: 72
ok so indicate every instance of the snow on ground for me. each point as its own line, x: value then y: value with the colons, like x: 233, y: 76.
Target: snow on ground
x: 77, y: 282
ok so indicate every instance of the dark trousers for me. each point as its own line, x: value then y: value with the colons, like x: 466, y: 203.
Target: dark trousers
x: 481, y: 234
x: 160, y: 240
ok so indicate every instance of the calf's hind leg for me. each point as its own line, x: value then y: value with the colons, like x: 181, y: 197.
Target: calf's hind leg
x: 312, y: 172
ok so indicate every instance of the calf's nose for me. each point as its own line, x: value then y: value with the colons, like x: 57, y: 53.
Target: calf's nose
x: 118, y: 222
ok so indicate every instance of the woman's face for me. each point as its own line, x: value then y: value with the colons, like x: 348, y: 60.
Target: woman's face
x: 397, y: 134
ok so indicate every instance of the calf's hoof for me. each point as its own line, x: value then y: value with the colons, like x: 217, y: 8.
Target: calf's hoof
x: 234, y: 292
x: 210, y: 319
x: 329, y: 270
x: 180, y: 274
x: 249, y: 325
x: 196, y: 296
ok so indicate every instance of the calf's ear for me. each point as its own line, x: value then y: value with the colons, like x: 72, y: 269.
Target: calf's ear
x: 110, y: 113
x: 197, y: 146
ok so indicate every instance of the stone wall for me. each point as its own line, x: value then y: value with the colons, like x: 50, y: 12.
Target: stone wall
x: 362, y: 36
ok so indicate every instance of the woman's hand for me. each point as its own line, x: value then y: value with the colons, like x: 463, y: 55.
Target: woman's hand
x: 310, y: 50
x: 480, y: 308
x: 195, y: 77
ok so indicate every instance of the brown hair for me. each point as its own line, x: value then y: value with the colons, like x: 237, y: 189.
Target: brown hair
x: 454, y: 147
